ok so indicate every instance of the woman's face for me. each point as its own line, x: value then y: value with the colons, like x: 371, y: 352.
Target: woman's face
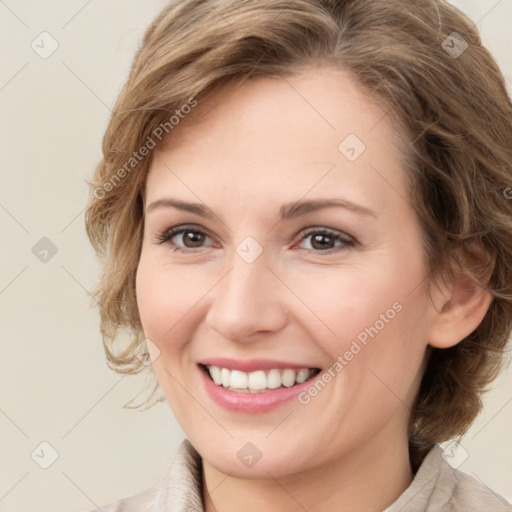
x: 300, y: 258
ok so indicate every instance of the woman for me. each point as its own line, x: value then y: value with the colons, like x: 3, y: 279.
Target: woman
x: 303, y: 215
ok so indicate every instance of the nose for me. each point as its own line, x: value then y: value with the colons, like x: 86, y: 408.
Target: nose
x: 248, y: 302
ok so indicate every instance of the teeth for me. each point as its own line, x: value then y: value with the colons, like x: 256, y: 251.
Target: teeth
x: 274, y: 379
x: 238, y: 379
x: 302, y: 376
x: 225, y: 377
x: 288, y: 378
x: 215, y: 375
x: 258, y: 381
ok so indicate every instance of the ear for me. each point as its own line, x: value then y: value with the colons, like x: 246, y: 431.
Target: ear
x: 460, y: 302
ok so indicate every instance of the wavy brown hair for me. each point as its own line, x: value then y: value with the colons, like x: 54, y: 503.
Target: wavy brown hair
x: 453, y: 110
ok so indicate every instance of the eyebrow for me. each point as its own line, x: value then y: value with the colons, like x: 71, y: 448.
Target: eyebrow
x: 287, y: 211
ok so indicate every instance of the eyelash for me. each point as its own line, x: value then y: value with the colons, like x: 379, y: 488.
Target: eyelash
x: 347, y: 241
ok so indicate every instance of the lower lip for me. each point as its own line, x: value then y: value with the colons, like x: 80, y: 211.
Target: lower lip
x: 252, y: 402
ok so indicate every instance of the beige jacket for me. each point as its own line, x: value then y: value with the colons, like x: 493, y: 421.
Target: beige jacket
x: 437, y: 487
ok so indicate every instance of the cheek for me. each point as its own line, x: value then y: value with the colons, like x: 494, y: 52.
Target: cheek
x: 166, y: 297
x: 373, y: 324
x: 348, y: 304
x: 155, y: 301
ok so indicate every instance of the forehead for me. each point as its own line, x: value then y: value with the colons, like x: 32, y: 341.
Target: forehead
x: 317, y: 130
x: 312, y: 96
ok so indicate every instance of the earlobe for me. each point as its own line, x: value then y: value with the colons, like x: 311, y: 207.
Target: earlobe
x: 460, y: 305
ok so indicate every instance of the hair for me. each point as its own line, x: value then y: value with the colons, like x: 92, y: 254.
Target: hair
x: 453, y: 109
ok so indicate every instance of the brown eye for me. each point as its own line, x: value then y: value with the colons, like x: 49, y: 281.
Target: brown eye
x: 182, y: 238
x: 193, y: 238
x: 322, y: 241
x: 325, y: 241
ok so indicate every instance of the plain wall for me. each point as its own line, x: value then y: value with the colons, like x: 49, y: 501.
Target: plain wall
x: 55, y: 386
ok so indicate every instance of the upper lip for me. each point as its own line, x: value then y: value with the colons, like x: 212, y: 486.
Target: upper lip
x: 251, y: 365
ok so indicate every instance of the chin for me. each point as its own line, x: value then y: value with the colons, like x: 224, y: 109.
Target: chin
x: 240, y: 458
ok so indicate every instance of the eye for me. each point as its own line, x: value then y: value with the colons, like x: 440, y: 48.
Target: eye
x: 326, y: 241
x: 183, y: 238
x: 320, y: 240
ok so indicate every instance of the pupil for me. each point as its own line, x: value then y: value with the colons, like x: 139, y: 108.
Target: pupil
x: 195, y: 238
x: 321, y: 239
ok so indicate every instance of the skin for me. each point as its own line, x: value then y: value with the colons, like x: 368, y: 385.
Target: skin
x: 258, y: 146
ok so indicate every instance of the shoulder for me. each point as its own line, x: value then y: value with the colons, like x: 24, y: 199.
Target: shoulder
x: 178, y: 489
x: 437, y: 487
x: 469, y: 494
x: 142, y: 502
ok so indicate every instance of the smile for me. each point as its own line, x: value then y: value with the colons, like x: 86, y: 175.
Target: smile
x: 259, y: 381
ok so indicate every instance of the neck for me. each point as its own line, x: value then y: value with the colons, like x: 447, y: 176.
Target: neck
x: 367, y: 481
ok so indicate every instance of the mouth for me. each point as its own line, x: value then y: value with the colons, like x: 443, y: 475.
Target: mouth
x: 259, y: 381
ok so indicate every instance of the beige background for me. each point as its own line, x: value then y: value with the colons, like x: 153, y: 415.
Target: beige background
x: 54, y: 382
